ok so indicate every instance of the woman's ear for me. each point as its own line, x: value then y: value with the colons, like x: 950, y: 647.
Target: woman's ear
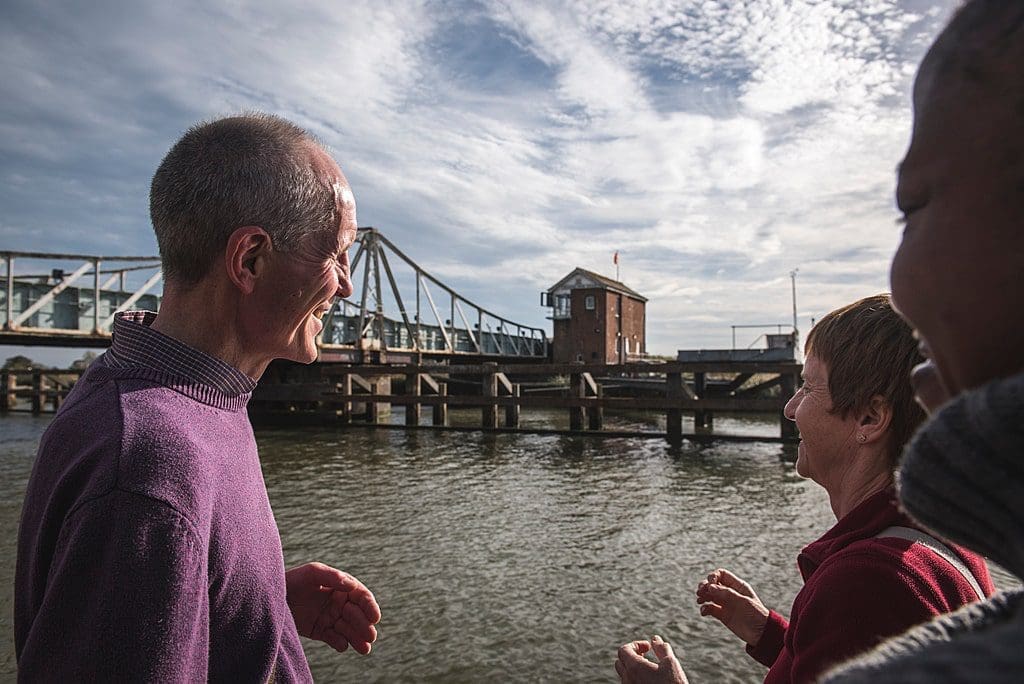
x: 246, y: 256
x: 874, y: 420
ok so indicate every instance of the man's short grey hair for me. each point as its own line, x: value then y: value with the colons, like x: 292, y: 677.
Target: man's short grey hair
x: 248, y: 170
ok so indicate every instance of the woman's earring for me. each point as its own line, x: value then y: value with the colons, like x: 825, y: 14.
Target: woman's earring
x: 861, y: 438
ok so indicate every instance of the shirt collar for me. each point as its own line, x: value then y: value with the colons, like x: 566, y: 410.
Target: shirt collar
x: 135, y: 343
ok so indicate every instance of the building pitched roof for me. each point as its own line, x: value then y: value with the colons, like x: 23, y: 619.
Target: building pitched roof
x: 602, y: 281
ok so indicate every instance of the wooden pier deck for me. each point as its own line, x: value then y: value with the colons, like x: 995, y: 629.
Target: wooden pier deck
x: 361, y: 395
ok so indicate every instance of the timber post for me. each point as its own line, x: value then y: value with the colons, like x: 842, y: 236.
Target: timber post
x: 596, y: 412
x: 703, y: 421
x: 372, y: 407
x: 577, y: 389
x: 412, y: 389
x: 512, y: 411
x: 489, y: 412
x: 37, y: 391
x: 346, y: 406
x: 440, y: 412
x: 7, y: 396
x: 674, y: 416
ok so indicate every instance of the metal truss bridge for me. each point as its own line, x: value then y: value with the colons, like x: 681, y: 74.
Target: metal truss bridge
x: 398, y: 312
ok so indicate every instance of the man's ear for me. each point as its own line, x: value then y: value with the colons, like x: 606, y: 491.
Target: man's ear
x: 246, y: 256
x: 875, y: 419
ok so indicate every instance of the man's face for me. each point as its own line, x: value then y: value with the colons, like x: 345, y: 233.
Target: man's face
x: 958, y: 275
x: 303, y: 283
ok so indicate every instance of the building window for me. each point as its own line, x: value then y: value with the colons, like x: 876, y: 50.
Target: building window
x: 589, y: 302
x: 562, y: 306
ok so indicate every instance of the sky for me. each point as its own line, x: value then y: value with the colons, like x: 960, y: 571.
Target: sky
x: 715, y: 145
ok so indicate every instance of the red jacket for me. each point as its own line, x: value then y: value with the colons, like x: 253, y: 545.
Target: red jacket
x: 858, y: 590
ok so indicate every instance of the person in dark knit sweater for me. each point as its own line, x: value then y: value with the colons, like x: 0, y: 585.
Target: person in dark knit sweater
x: 873, y: 574
x: 958, y: 278
x: 147, y: 549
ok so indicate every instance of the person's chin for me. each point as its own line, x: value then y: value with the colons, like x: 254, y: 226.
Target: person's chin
x: 801, y: 461
x: 929, y: 390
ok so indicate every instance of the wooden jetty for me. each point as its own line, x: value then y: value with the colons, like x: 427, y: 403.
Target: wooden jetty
x: 350, y: 394
x: 361, y: 395
x: 42, y: 389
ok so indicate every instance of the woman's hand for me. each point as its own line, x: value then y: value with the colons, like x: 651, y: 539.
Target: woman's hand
x: 726, y: 597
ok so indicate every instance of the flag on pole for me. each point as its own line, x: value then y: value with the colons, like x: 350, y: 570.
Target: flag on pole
x: 615, y: 259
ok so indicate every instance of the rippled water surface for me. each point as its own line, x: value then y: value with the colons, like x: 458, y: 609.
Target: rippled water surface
x: 514, y: 557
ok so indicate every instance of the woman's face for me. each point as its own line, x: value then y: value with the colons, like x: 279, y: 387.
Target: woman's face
x: 827, y: 441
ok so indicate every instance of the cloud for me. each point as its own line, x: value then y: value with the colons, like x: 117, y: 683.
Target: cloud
x: 716, y: 145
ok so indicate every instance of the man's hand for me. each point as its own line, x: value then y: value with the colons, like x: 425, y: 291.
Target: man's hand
x: 332, y: 606
x: 634, y: 668
x: 726, y: 597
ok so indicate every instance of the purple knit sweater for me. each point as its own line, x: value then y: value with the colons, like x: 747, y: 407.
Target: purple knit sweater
x: 147, y: 549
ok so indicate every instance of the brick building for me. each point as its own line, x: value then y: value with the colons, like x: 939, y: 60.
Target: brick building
x: 596, y: 319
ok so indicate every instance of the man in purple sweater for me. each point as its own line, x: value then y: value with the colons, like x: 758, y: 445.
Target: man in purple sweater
x: 148, y: 550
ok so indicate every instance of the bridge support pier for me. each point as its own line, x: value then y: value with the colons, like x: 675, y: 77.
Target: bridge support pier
x: 489, y: 417
x: 674, y: 416
x: 703, y: 421
x: 412, y: 389
x: 440, y: 412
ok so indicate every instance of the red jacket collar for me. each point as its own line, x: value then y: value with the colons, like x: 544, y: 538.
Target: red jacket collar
x: 870, y: 517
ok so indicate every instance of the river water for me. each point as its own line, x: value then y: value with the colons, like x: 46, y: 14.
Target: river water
x: 515, y: 557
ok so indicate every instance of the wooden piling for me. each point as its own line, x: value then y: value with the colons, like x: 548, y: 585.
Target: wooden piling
x: 37, y: 391
x: 674, y: 416
x: 7, y: 396
x: 512, y: 410
x: 489, y: 412
x: 577, y: 390
x: 412, y: 389
x: 702, y: 420
x: 596, y: 413
x: 440, y: 409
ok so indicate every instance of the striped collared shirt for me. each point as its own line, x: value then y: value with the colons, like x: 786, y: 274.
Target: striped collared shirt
x: 135, y: 344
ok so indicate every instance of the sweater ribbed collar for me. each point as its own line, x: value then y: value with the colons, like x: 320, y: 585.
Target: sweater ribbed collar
x: 135, y: 346
x: 963, y: 473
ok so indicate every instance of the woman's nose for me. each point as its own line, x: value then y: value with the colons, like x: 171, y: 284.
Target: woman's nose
x: 790, y: 409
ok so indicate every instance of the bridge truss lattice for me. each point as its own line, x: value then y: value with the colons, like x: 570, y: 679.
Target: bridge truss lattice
x: 397, y: 306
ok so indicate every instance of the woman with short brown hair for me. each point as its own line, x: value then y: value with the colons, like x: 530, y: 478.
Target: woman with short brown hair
x: 874, y: 574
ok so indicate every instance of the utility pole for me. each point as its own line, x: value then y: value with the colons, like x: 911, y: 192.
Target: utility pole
x: 792, y: 278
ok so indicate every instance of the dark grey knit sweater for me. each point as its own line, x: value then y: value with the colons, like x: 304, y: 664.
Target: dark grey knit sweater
x: 963, y: 477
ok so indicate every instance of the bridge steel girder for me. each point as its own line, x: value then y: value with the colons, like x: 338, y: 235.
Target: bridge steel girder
x: 485, y: 334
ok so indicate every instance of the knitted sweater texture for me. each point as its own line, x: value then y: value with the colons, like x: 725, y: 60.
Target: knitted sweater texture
x: 148, y: 550
x: 963, y: 477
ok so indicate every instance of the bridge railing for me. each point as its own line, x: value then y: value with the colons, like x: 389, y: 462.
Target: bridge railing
x: 424, y: 316
x: 44, y: 304
x: 52, y: 302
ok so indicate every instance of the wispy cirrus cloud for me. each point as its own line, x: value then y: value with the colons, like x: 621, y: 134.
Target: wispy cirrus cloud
x: 715, y: 145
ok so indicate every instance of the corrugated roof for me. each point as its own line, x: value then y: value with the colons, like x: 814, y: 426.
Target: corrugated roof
x: 607, y: 283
